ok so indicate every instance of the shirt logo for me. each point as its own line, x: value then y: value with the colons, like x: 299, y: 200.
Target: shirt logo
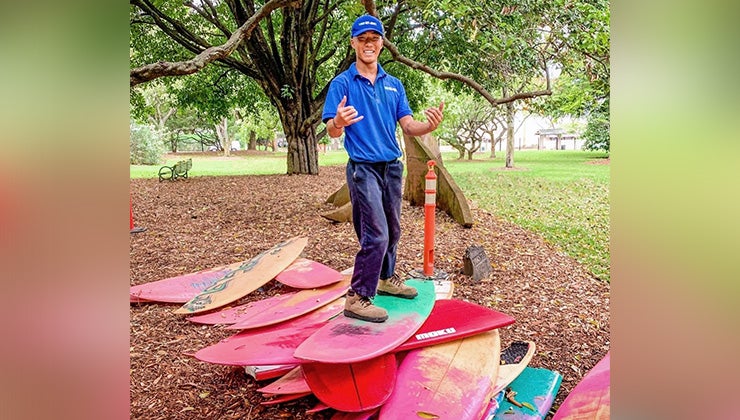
x: 391, y: 88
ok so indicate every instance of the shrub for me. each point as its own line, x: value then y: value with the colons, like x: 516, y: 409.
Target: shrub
x: 145, y: 146
x: 597, y: 134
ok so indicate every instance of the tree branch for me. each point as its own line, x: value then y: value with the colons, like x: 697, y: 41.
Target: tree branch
x: 160, y: 69
x: 443, y: 75
x: 212, y: 17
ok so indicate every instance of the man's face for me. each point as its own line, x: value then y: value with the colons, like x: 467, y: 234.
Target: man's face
x: 367, y: 46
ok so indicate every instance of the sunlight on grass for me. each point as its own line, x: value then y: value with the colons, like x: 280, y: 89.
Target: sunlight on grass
x: 562, y: 195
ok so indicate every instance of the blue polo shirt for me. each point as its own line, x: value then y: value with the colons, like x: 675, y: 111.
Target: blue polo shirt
x: 373, y: 139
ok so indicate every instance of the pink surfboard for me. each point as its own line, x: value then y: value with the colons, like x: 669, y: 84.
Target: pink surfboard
x: 449, y: 381
x: 307, y: 274
x: 285, y: 398
x: 133, y: 299
x: 353, y: 387
x: 271, y: 345
x: 318, y: 407
x: 299, y: 304
x: 180, y: 289
x: 452, y: 319
x: 292, y: 382
x: 250, y: 276
x: 232, y: 315
x: 590, y: 399
x: 349, y: 340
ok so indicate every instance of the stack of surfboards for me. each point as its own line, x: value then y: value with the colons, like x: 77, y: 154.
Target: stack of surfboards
x: 435, y: 357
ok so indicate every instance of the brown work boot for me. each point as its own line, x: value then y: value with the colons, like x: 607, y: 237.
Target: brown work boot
x: 361, y: 307
x: 394, y: 286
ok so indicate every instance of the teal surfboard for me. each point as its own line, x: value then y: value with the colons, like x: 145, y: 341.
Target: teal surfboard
x: 534, y: 387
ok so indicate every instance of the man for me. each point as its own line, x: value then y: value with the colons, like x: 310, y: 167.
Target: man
x: 365, y: 103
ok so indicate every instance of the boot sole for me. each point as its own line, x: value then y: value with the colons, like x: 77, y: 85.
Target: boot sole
x: 380, y: 292
x: 364, y: 318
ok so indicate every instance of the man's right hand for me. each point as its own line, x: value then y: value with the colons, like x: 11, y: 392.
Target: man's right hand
x: 346, y: 115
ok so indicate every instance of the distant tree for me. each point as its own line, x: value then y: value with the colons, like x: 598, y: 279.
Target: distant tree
x: 583, y: 88
x: 474, y: 123
x: 259, y: 122
x: 187, y: 129
x: 597, y: 130
x: 145, y: 145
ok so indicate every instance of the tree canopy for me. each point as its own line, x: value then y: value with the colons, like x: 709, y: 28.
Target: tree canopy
x: 287, y: 51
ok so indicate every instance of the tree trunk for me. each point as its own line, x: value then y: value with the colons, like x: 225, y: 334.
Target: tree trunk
x: 252, y: 145
x: 303, y: 157
x: 510, y: 135
x: 460, y: 152
x: 222, y: 131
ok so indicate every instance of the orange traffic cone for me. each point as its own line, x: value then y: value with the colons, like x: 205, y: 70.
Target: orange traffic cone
x: 131, y: 220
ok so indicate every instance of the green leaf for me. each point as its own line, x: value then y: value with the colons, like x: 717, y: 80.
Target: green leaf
x: 528, y: 405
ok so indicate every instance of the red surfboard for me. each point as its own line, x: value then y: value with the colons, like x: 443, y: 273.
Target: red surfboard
x: 307, y: 274
x: 349, y: 340
x: 590, y: 398
x: 180, y: 289
x: 452, y: 319
x: 353, y: 387
x: 271, y: 345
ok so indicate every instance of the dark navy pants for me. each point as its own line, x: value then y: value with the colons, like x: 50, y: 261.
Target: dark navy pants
x: 375, y: 191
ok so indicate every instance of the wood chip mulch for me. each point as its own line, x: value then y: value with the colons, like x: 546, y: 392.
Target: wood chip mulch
x: 204, y: 222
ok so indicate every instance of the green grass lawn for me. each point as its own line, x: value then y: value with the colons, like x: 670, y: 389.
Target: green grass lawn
x: 266, y: 163
x: 556, y: 193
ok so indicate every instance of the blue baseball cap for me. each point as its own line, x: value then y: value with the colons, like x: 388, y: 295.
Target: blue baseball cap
x: 366, y: 23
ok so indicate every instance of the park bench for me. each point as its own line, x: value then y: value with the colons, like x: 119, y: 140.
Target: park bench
x: 178, y: 170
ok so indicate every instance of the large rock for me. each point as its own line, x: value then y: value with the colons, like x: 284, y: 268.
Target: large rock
x: 340, y: 214
x: 450, y: 197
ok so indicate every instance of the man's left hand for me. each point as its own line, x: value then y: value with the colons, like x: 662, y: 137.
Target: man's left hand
x: 434, y: 116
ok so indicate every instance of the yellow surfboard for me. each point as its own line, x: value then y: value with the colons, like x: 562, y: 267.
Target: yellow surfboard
x: 248, y: 277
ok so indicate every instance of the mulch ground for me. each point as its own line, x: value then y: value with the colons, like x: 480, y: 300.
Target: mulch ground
x: 203, y: 222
